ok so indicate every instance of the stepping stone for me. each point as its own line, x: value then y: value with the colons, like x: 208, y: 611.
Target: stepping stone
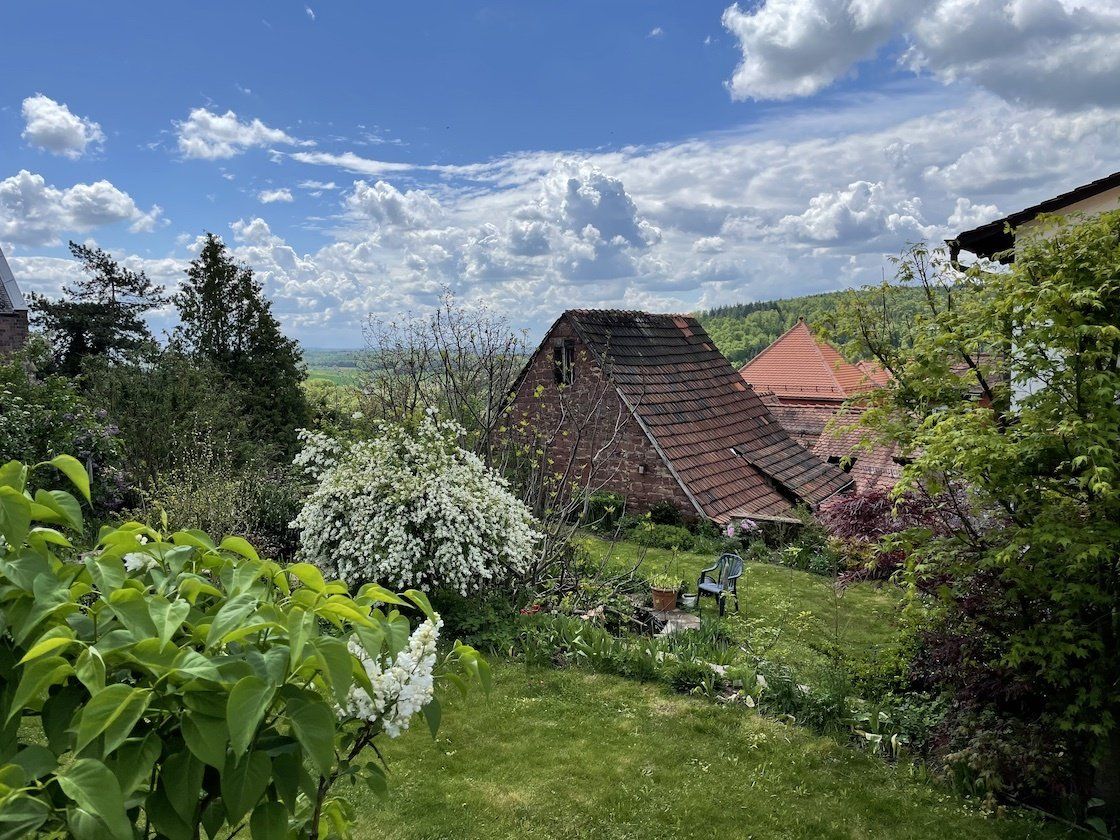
x: 675, y: 621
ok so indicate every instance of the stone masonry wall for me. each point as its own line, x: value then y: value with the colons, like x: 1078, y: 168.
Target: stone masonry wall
x: 590, y: 417
x: 13, y: 331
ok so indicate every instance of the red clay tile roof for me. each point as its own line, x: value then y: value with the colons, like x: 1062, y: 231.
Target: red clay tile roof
x: 798, y: 366
x: 871, y: 467
x: 715, y: 434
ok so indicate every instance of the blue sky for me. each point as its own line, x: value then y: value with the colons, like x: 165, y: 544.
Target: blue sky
x: 363, y: 157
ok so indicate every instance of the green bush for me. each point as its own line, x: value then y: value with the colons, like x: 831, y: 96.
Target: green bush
x: 604, y: 511
x: 487, y: 621
x: 158, y: 684
x: 41, y: 418
x: 665, y: 513
x: 662, y: 536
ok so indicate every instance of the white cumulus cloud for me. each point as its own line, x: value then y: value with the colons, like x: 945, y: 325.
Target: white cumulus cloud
x: 273, y: 196
x: 52, y: 126
x: 211, y: 136
x: 35, y: 213
x: 1059, y: 53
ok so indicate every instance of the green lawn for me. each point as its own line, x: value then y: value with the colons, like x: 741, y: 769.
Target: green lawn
x: 802, y: 611
x: 337, y: 375
x: 567, y: 753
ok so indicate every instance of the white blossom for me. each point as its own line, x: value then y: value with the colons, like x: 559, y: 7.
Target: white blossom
x: 410, y: 509
x: 400, y: 690
x: 136, y: 561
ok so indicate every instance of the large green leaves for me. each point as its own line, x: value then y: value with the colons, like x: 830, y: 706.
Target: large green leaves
x: 229, y: 617
x: 193, y: 681
x: 111, y: 712
x: 72, y: 468
x: 313, y: 723
x: 244, y: 783
x: 95, y: 790
x: 248, y: 702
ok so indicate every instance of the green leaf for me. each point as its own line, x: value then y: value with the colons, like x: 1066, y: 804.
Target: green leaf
x: 64, y: 507
x: 308, y: 575
x: 167, y: 616
x: 36, y: 761
x: 39, y: 538
x: 131, y: 607
x: 244, y: 782
x: 248, y: 702
x: 432, y: 714
x: 182, y: 777
x: 241, y: 546
x: 269, y: 822
x: 313, y: 723
x: 51, y: 641
x: 58, y: 714
x: 207, y: 737
x: 107, y: 572
x: 72, y: 468
x: 287, y: 773
x: 15, y: 516
x: 21, y: 815
x: 112, y: 712
x: 231, y: 614
x: 421, y: 600
x: 13, y: 474
x: 132, y: 763
x: 37, y: 677
x: 95, y: 789
x: 339, y: 665
x: 90, y: 669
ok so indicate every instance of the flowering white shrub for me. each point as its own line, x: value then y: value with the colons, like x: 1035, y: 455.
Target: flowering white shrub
x: 410, y: 508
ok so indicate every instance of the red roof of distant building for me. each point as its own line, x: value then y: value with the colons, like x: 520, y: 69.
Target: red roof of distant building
x: 798, y: 366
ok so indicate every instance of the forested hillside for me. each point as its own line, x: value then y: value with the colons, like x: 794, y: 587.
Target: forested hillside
x: 743, y: 330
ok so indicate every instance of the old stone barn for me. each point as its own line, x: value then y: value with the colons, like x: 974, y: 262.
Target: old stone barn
x: 13, y: 311
x: 646, y: 406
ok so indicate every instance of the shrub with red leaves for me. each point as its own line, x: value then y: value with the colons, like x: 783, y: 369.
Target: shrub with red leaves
x: 861, y: 521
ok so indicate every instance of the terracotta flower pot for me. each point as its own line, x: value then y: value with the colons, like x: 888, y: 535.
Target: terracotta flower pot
x: 664, y: 599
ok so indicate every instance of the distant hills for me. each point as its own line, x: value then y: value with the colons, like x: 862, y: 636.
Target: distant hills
x: 741, y: 331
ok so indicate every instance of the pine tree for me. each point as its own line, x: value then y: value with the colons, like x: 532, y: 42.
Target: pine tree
x: 101, y: 314
x: 226, y: 320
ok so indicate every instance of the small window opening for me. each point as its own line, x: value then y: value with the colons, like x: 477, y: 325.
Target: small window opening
x: 563, y: 369
x: 843, y: 462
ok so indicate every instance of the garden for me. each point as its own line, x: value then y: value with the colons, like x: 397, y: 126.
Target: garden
x: 236, y: 602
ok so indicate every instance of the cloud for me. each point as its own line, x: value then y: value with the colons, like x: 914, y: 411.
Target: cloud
x: 810, y: 204
x: 210, y: 136
x: 1059, y: 53
x: 967, y: 215
x: 33, y: 212
x: 387, y: 207
x: 52, y: 126
x: 310, y: 12
x: 352, y: 163
x: 857, y: 217
x: 274, y: 196
x: 656, y: 32
x: 813, y: 202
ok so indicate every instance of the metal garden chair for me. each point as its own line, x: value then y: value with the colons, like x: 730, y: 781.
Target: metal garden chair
x: 721, y: 579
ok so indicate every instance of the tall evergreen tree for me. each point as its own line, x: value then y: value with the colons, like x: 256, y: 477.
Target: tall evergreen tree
x: 101, y: 314
x: 226, y: 320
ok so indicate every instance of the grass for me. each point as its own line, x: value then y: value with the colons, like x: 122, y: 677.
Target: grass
x: 792, y: 616
x: 337, y: 375
x: 577, y: 755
